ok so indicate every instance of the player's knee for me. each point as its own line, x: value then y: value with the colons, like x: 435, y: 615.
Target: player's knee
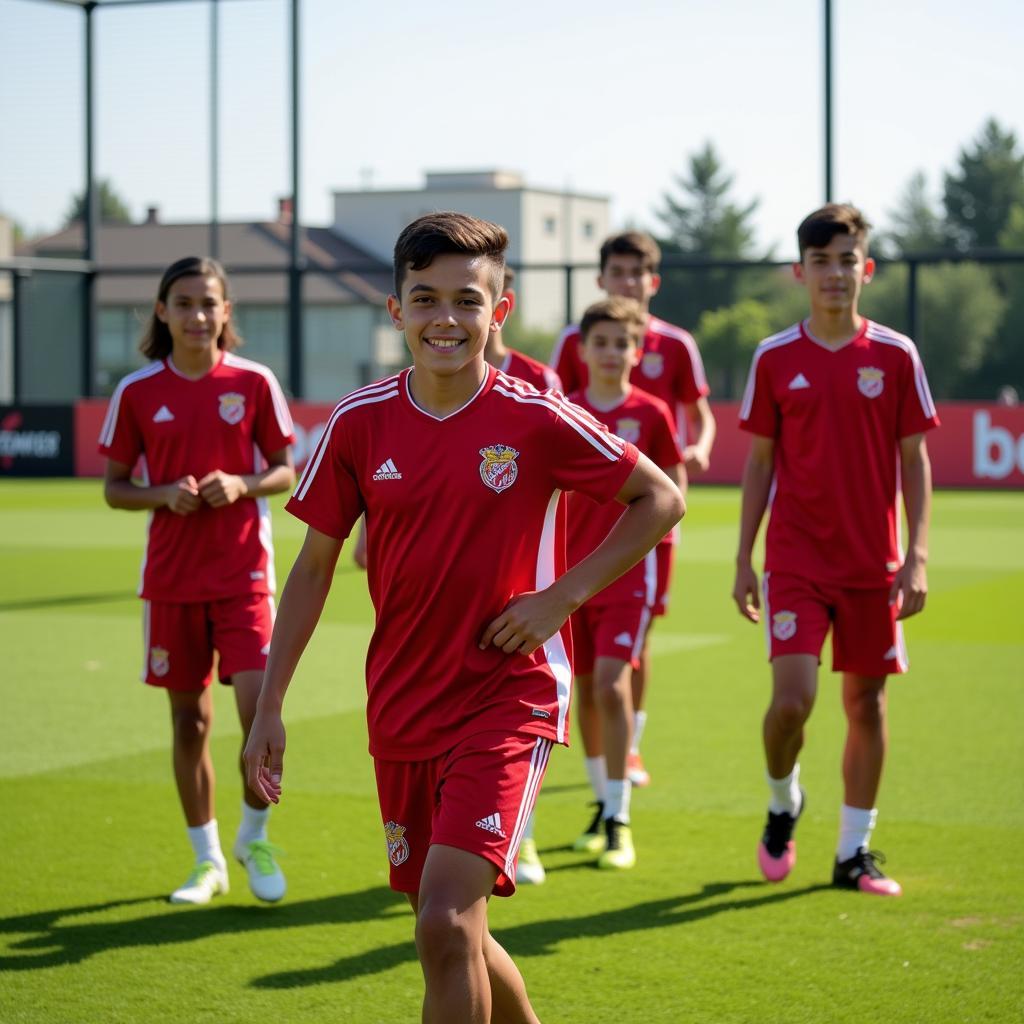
x: 866, y: 707
x: 443, y: 936
x: 791, y: 710
x: 191, y: 726
x: 611, y: 695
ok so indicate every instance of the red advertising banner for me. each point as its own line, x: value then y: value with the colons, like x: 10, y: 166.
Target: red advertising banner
x: 978, y: 445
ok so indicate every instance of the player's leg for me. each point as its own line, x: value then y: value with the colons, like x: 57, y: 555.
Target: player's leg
x: 178, y: 659
x: 468, y: 975
x: 615, y: 704
x: 592, y: 838
x: 868, y: 642
x: 242, y: 629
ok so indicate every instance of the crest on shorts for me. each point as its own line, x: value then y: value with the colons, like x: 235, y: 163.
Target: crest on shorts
x: 652, y: 365
x: 628, y: 429
x: 398, y: 848
x: 784, y: 625
x: 870, y: 381
x: 232, y: 407
x: 159, y: 661
x: 499, y: 469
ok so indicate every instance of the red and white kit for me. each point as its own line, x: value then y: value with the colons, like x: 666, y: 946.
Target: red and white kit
x: 836, y: 416
x: 461, y: 515
x: 670, y: 368
x: 613, y: 623
x: 174, y: 426
x: 533, y: 371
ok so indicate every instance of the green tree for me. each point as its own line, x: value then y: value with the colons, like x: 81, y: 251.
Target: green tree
x: 987, y: 183
x: 915, y: 225
x: 728, y: 337
x: 112, y: 208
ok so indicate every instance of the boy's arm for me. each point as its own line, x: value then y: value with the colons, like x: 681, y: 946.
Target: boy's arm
x: 181, y: 497
x: 301, y: 605
x: 219, y: 488
x: 653, y: 506
x: 697, y: 456
x: 757, y: 482
x: 911, y: 582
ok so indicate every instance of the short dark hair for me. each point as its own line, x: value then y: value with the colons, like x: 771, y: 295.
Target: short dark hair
x: 632, y: 243
x: 509, y: 279
x: 156, y: 342
x: 439, y: 234
x: 819, y: 228
x: 619, y: 310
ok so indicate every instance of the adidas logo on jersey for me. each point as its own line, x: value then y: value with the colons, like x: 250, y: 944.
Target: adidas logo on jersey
x: 891, y: 654
x: 798, y: 382
x: 625, y: 639
x: 492, y: 823
x: 387, y: 471
x: 163, y: 415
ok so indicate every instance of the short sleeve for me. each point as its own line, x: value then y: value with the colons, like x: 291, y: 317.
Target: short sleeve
x: 691, y: 382
x: 120, y: 437
x: 664, y: 449
x: 565, y: 360
x: 759, y: 413
x: 327, y: 496
x: 917, y: 410
x: 585, y: 455
x: 274, y: 429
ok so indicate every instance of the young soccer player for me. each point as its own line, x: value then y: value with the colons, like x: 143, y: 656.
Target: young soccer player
x: 838, y: 407
x: 608, y: 631
x: 212, y: 432
x: 459, y: 469
x: 669, y: 367
x: 515, y: 363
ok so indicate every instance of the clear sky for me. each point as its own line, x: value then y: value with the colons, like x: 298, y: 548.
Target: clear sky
x: 605, y: 97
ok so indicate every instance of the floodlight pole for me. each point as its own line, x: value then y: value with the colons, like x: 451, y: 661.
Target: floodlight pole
x: 828, y: 101
x: 90, y: 220
x: 214, y: 243
x: 295, y: 266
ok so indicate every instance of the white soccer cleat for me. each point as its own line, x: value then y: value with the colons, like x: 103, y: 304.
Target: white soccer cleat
x: 265, y: 878
x: 529, y: 870
x: 206, y: 881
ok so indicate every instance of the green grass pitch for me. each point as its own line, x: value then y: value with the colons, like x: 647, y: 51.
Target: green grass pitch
x: 93, y: 838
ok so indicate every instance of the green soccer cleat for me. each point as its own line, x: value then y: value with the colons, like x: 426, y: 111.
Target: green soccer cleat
x: 206, y: 881
x: 619, y: 854
x: 592, y: 840
x: 529, y: 870
x: 265, y: 878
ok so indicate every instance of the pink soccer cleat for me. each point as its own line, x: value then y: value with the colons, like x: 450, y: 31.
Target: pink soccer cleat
x: 861, y: 872
x: 776, y: 853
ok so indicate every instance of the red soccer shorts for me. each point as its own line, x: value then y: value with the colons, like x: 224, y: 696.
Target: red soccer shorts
x: 866, y: 638
x: 615, y: 630
x: 665, y: 555
x: 180, y: 638
x: 477, y: 797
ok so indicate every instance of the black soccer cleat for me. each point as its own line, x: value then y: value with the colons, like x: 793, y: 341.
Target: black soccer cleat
x: 861, y: 872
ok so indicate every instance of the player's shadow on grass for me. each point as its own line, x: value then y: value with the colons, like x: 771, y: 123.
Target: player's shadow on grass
x: 65, y: 600
x: 52, y: 938
x: 543, y: 937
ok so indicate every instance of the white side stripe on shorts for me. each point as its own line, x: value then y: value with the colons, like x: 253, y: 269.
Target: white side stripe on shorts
x: 538, y: 762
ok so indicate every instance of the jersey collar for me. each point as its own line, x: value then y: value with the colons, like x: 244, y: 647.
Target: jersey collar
x: 834, y: 348
x: 485, y: 386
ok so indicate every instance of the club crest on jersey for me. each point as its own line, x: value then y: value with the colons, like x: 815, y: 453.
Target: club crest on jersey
x: 232, y: 407
x: 499, y: 469
x: 398, y: 848
x: 870, y: 381
x: 784, y: 625
x: 652, y: 365
x: 628, y: 430
x: 159, y: 661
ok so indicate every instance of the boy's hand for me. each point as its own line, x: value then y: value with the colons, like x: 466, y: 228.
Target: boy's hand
x: 183, y: 496
x: 695, y: 459
x: 526, y: 622
x: 263, y: 756
x: 745, y: 593
x: 909, y: 589
x: 219, y: 488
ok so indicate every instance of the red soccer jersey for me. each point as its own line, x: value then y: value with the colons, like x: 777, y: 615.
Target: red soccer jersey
x: 645, y: 422
x: 462, y: 514
x: 533, y: 371
x: 670, y: 367
x: 836, y: 416
x: 225, y: 420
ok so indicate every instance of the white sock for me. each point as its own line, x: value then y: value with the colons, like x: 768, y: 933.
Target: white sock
x: 855, y: 827
x: 205, y: 840
x: 639, y: 721
x: 528, y: 831
x: 785, y: 792
x: 597, y: 772
x: 616, y: 804
x: 253, y: 824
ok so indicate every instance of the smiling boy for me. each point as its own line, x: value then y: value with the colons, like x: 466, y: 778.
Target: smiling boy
x: 838, y: 407
x: 459, y: 469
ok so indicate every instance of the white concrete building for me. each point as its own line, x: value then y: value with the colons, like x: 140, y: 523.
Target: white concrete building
x: 546, y: 229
